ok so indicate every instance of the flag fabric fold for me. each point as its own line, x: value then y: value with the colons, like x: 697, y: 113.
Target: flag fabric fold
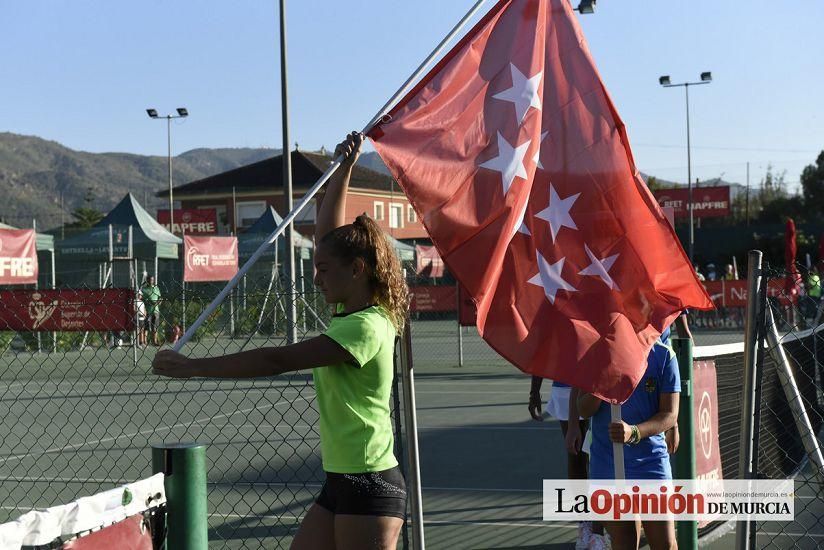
x: 519, y: 166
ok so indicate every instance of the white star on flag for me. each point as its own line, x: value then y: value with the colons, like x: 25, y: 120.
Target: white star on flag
x: 523, y: 93
x: 520, y: 226
x: 509, y: 162
x: 600, y: 268
x: 549, y: 277
x: 537, y: 158
x: 557, y: 213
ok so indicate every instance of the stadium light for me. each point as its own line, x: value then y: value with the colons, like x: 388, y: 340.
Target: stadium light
x: 182, y: 112
x: 586, y: 7
x: 706, y: 78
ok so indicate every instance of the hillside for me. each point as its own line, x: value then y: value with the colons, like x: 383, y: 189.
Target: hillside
x: 34, y: 172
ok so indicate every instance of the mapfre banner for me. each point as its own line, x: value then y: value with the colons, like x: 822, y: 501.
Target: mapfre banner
x: 67, y: 310
x: 18, y: 257
x: 707, y: 202
x: 195, y: 221
x: 209, y: 258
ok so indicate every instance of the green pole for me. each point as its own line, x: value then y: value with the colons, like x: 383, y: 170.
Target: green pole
x: 684, y: 458
x: 184, y: 465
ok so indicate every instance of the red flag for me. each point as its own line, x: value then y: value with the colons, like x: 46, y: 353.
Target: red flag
x: 18, y: 256
x: 515, y: 159
x: 793, y: 281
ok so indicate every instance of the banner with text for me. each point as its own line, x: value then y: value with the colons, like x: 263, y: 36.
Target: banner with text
x: 18, y: 257
x: 209, y: 258
x: 190, y: 221
x: 707, y: 202
x: 67, y: 310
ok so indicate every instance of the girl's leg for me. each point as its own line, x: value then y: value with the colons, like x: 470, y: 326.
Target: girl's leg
x: 624, y: 535
x: 353, y: 532
x: 317, y: 530
x: 660, y: 535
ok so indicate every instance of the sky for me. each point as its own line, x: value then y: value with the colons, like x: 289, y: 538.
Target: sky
x: 82, y: 73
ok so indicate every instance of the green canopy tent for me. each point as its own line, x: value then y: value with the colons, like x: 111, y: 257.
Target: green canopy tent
x: 110, y: 239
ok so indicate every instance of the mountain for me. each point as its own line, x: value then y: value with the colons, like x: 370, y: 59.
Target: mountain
x: 34, y: 172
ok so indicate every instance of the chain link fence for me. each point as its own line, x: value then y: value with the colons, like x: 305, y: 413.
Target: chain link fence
x: 82, y: 409
x: 788, y: 443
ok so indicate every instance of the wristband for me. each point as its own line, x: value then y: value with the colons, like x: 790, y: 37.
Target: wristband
x: 635, y: 436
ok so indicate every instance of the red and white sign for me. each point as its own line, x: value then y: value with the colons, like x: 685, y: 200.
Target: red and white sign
x: 705, y: 423
x: 18, y: 257
x: 209, y: 258
x: 430, y: 263
x: 67, y: 310
x: 194, y: 221
x: 707, y: 202
x: 734, y: 293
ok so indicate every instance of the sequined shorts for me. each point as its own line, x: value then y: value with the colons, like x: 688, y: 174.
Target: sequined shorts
x: 368, y: 494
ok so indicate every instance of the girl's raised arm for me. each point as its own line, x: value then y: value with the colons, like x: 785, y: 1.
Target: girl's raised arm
x: 332, y: 211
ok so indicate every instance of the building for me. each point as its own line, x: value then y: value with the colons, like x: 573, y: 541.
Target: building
x: 241, y: 195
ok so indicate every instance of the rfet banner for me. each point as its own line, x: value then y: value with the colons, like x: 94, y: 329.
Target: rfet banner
x: 67, y: 310
x: 209, y: 258
x: 18, y: 257
x: 195, y: 221
x: 705, y: 422
x: 707, y: 202
x: 734, y: 293
x: 430, y: 263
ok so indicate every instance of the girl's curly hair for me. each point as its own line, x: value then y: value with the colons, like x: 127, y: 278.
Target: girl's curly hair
x: 366, y: 240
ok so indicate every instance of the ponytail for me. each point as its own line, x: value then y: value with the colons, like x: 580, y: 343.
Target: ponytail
x: 366, y: 240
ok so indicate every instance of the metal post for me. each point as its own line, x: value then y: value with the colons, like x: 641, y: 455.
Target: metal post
x: 684, y: 459
x: 302, y: 293
x: 794, y: 399
x: 744, y: 531
x: 689, y: 175
x: 54, y: 286
x: 184, y: 467
x: 617, y: 448
x: 460, y: 328
x: 413, y: 482
x: 171, y: 200
x: 289, y: 261
x: 748, y: 194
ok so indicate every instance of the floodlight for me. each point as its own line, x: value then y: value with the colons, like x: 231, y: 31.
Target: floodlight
x: 586, y: 6
x: 182, y: 111
x: 706, y: 77
x: 152, y: 112
x: 664, y: 80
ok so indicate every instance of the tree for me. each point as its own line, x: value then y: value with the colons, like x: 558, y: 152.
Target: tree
x: 653, y: 184
x: 87, y: 216
x: 812, y: 185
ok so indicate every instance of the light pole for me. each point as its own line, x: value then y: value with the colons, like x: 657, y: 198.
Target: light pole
x: 181, y: 113
x: 706, y: 78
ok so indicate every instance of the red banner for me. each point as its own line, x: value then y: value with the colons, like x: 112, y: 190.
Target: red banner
x: 734, y: 293
x: 433, y: 298
x: 707, y: 202
x: 705, y: 422
x: 209, y: 258
x: 67, y: 310
x: 18, y: 257
x: 430, y: 263
x: 191, y: 221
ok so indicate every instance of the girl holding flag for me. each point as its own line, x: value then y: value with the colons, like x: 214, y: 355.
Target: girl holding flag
x: 362, y: 504
x: 651, y: 410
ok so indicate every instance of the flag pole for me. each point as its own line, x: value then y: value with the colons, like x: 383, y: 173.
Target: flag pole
x: 210, y: 309
x: 617, y: 448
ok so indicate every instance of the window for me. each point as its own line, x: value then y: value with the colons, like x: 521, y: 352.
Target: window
x: 378, y: 211
x: 395, y: 215
x: 249, y: 212
x: 411, y: 215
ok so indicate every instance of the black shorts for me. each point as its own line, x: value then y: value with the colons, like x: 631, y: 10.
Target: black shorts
x: 368, y: 494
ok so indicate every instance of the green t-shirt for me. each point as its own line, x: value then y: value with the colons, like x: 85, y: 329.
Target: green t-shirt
x: 353, y: 398
x: 814, y: 283
x: 151, y: 297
